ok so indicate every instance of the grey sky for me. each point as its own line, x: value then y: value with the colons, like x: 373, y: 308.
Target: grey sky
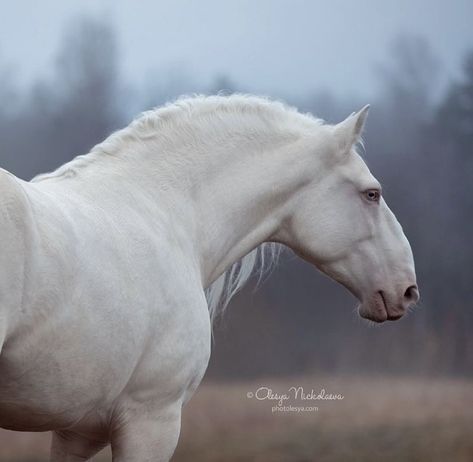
x: 278, y: 46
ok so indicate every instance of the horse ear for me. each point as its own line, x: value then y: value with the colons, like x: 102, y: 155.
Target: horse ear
x: 349, y: 131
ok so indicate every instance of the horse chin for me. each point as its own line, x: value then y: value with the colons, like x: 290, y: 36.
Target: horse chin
x: 374, y: 308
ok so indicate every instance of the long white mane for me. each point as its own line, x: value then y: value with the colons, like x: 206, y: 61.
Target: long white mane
x: 167, y: 122
x: 258, y: 262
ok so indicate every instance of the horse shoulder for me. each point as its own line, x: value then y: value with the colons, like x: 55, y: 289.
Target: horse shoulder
x: 18, y: 233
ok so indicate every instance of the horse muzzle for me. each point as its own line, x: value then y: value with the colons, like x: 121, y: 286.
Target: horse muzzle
x: 382, y: 306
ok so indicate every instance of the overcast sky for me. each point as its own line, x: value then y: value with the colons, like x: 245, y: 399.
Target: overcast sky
x: 268, y: 46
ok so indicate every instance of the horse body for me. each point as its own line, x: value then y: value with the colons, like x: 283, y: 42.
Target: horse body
x: 105, y: 325
x: 99, y: 324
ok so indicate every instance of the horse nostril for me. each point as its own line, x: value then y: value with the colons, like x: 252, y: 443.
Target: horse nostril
x: 411, y: 295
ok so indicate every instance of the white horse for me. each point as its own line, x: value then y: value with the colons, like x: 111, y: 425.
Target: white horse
x: 105, y: 329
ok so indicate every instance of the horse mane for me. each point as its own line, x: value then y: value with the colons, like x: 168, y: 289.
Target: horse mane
x: 224, y: 112
x: 258, y: 262
x: 177, y: 118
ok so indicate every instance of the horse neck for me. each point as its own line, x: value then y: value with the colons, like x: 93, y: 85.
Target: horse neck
x: 230, y: 197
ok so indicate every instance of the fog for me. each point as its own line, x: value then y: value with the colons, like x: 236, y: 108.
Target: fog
x: 269, y: 46
x: 419, y: 142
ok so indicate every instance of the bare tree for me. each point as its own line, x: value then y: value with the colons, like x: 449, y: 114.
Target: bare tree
x: 66, y: 116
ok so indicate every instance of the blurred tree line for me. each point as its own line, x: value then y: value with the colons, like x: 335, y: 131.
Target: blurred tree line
x: 419, y: 145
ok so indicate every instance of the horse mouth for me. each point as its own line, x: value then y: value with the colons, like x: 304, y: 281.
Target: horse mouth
x: 376, y: 309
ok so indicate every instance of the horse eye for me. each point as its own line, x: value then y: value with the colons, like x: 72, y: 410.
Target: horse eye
x: 373, y: 195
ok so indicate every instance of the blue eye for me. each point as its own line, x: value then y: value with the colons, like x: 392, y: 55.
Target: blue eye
x: 372, y: 195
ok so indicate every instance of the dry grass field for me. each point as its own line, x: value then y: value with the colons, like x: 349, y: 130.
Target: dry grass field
x: 388, y: 419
